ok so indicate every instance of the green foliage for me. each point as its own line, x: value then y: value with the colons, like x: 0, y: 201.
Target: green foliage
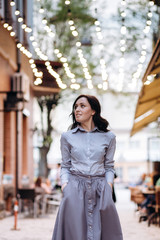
x: 47, y: 140
x: 58, y: 16
x: 47, y: 104
x: 58, y: 13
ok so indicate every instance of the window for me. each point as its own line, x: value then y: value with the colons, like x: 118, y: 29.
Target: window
x: 154, y: 149
x: 133, y: 174
x: 134, y: 144
x: 120, y: 145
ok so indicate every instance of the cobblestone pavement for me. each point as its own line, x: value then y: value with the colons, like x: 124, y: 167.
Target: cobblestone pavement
x: 41, y: 228
x: 29, y: 228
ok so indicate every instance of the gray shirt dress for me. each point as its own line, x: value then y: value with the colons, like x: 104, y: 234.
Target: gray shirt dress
x: 87, y: 210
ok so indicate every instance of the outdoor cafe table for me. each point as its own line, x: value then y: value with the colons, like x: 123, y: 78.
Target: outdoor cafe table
x: 147, y: 191
x: 139, y: 193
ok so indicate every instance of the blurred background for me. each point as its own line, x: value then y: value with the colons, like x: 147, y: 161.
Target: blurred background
x: 52, y: 51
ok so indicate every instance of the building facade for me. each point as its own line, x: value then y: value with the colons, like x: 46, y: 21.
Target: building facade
x: 16, y: 97
x: 18, y: 87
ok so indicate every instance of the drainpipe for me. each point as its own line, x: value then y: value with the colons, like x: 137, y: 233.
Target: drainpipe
x: 17, y: 153
x: 18, y: 59
x: 18, y: 38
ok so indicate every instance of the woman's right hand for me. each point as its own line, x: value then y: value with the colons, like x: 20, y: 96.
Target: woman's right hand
x: 63, y: 186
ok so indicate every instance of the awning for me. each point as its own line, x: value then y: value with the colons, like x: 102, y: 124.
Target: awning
x: 148, y: 105
x: 49, y: 84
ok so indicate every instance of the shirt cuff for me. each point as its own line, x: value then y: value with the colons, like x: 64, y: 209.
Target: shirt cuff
x: 109, y: 177
x: 64, y: 178
x: 63, y: 181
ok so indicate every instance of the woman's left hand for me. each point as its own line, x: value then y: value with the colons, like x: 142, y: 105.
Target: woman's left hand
x: 63, y: 186
x: 110, y: 184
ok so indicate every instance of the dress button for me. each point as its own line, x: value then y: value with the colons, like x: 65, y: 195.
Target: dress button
x: 90, y: 200
x: 90, y: 227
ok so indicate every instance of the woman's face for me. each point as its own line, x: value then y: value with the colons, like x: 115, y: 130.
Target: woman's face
x: 83, y: 111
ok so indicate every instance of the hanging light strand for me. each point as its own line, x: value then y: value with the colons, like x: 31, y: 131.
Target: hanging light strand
x: 74, y: 85
x: 38, y: 75
x: 122, y: 44
x: 47, y: 63
x: 137, y: 74
x: 104, y: 84
x: 82, y: 59
x: 20, y: 19
x: 41, y: 56
x: 47, y: 28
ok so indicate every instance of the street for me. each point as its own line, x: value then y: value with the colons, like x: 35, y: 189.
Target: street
x: 41, y: 228
x: 79, y: 91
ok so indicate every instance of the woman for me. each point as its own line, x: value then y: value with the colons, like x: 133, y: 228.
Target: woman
x: 87, y: 211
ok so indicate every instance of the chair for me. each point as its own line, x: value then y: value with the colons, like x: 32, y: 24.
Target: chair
x: 50, y: 201
x: 136, y: 195
x: 31, y: 199
x: 155, y: 216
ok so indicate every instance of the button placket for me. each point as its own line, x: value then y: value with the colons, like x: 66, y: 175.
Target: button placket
x: 88, y: 146
x: 90, y: 208
x: 89, y: 193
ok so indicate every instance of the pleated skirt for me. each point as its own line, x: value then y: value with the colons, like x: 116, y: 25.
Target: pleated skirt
x: 87, y: 211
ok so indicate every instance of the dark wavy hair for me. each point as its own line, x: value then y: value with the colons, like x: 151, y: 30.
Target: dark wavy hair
x: 99, y: 122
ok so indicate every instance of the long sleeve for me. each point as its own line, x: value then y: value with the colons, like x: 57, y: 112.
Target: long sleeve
x: 66, y: 161
x: 109, y: 162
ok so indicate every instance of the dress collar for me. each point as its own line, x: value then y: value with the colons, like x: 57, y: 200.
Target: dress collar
x: 79, y: 128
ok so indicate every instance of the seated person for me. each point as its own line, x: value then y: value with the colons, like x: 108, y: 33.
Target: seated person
x: 141, y: 181
x: 47, y: 186
x: 58, y: 180
x: 38, y: 186
x: 146, y: 206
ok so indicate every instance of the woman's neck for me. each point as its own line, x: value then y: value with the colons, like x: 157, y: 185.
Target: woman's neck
x: 87, y: 126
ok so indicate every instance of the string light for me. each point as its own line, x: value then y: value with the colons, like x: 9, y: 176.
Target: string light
x: 17, y: 12
x: 41, y: 10
x: 142, y: 58
x: 47, y: 63
x: 150, y: 78
x: 23, y: 49
x: 47, y: 28
x: 20, y: 19
x: 12, y: 34
x: 9, y: 28
x: 67, y: 2
x: 104, y: 84
x: 123, y: 2
x: 5, y: 25
x: 55, y: 75
x: 83, y: 61
x: 74, y: 84
x: 28, y: 55
x: 57, y: 52
x: 122, y: 45
x: 39, y: 53
x: 12, y: 3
